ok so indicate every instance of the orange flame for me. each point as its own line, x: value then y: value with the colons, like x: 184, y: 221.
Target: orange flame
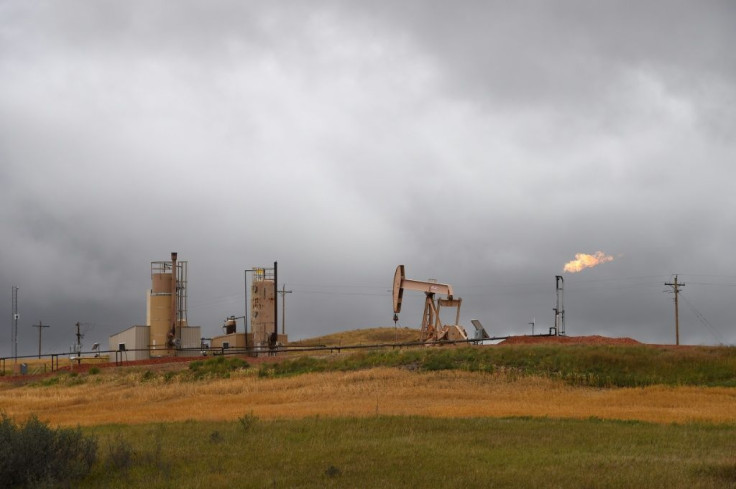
x: 583, y: 260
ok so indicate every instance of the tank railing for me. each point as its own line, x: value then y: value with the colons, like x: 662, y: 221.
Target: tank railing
x: 263, y: 274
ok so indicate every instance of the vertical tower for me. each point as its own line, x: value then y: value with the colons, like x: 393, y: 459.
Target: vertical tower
x: 560, y: 309
x: 263, y: 305
x: 14, y: 324
x: 167, y: 305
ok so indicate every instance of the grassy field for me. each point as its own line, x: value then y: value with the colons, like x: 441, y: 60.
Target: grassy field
x: 502, y: 416
x: 380, y: 452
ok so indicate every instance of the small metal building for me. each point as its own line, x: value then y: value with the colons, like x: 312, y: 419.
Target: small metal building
x: 131, y: 343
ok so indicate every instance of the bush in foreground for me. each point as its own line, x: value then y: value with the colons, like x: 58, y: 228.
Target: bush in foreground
x: 34, y: 455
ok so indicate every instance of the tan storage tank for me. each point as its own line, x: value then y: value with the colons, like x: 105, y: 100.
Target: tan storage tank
x: 160, y: 323
x: 160, y: 313
x: 161, y: 283
x: 167, y: 306
x: 263, y: 296
x: 167, y: 330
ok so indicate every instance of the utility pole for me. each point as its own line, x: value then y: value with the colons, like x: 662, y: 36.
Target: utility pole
x: 283, y: 293
x: 40, y: 327
x: 676, y: 288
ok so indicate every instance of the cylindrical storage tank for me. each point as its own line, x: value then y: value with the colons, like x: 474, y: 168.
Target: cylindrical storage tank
x: 160, y: 324
x: 262, y: 311
x: 161, y: 283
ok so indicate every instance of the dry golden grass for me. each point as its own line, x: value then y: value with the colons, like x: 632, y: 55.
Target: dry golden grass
x: 367, y: 336
x: 122, y: 398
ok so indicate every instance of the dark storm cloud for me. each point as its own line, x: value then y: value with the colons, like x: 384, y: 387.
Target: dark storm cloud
x: 479, y: 143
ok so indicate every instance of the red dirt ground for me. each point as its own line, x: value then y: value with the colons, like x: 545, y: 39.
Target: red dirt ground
x: 568, y: 340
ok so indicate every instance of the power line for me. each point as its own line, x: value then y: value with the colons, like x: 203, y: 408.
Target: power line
x: 712, y: 283
x: 705, y: 322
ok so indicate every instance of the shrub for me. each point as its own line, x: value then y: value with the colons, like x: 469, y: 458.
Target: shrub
x: 196, y: 365
x: 332, y: 471
x: 147, y: 376
x: 94, y: 370
x: 215, y: 437
x: 217, y: 367
x: 32, y: 454
x: 248, y: 421
x: 301, y: 365
x: 440, y: 360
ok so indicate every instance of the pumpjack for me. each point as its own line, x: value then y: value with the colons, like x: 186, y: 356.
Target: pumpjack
x: 432, y: 327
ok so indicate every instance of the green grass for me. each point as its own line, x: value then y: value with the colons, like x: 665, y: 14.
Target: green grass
x: 64, y: 378
x: 584, y: 365
x: 383, y: 452
x: 217, y: 367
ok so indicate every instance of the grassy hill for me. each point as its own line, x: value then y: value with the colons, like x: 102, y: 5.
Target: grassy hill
x: 582, y: 365
x: 362, y: 337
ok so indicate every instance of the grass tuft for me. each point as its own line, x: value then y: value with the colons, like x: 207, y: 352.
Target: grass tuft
x: 248, y: 422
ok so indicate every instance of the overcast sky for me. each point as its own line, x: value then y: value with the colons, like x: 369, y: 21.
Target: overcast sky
x: 482, y: 144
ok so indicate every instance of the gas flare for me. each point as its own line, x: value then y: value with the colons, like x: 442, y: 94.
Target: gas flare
x: 583, y: 260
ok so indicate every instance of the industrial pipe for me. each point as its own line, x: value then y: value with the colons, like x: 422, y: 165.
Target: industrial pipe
x: 172, y: 333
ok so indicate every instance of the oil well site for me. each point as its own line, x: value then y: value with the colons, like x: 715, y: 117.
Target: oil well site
x: 167, y: 407
x: 167, y: 333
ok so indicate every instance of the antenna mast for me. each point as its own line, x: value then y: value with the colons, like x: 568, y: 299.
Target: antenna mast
x: 14, y: 339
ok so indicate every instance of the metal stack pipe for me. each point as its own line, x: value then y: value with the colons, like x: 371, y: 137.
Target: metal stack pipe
x: 174, y: 295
